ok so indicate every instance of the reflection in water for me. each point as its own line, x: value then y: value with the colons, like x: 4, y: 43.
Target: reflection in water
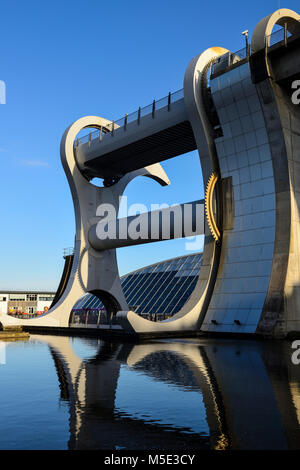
x: 175, y: 395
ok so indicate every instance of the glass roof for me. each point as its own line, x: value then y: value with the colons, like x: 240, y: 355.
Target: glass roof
x: 160, y: 288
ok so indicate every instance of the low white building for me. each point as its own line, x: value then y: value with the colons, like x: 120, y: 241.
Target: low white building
x: 27, y: 302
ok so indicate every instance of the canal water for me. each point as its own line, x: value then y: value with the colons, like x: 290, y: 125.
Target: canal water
x: 76, y: 393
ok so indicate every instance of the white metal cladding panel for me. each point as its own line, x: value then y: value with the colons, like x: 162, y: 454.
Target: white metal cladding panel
x: 247, y: 250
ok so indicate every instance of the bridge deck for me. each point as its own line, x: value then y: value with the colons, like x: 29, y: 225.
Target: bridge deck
x: 155, y: 137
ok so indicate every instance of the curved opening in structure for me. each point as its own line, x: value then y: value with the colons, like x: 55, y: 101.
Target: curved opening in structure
x: 94, y: 310
x: 88, y: 136
x: 292, y: 25
x: 158, y: 277
x: 275, y: 28
x: 277, y: 33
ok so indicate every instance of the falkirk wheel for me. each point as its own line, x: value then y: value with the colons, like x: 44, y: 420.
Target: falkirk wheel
x: 237, y: 111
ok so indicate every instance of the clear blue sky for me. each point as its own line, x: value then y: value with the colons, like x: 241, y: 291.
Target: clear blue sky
x: 62, y: 60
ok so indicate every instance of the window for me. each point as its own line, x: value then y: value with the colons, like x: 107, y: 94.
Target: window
x: 31, y: 310
x: 17, y: 297
x: 31, y: 297
x: 46, y: 299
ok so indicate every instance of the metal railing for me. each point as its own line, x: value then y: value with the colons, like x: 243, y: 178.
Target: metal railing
x: 281, y: 34
x: 166, y: 101
x: 68, y: 251
x: 90, y: 317
x: 221, y: 63
x: 228, y: 59
x: 96, y: 317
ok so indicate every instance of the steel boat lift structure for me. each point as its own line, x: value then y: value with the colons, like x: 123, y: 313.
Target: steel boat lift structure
x: 236, y: 111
